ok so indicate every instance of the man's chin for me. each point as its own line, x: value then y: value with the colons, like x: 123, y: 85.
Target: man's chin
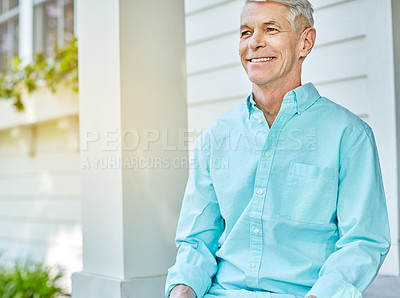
x: 260, y: 82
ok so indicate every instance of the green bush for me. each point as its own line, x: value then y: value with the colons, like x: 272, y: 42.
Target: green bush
x: 29, y: 280
x: 61, y: 68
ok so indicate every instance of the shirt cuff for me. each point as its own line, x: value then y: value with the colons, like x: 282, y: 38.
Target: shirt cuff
x: 330, y: 286
x: 189, y: 275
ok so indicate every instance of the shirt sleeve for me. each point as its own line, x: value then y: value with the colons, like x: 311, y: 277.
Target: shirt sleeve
x: 362, y: 221
x: 199, y: 228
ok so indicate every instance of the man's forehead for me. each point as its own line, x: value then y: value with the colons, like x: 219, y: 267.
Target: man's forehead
x: 265, y: 6
x: 266, y: 12
x: 261, y: 19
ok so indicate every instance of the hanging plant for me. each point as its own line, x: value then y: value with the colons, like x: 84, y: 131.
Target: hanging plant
x: 61, y: 68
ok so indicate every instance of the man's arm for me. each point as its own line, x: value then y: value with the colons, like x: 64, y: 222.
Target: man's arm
x: 362, y: 221
x: 200, y: 226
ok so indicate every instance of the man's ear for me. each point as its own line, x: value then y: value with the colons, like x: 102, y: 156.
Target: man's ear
x: 307, y: 41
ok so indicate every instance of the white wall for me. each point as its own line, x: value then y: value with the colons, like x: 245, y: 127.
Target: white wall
x: 216, y: 81
x: 352, y: 64
x: 40, y: 216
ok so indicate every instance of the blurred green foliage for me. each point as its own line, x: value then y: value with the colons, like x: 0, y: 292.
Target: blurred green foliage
x: 29, y: 281
x: 60, y: 68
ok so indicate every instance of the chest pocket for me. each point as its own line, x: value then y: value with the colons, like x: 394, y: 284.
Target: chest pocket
x: 310, y: 194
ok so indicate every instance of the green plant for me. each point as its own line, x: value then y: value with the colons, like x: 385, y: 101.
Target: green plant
x: 29, y: 280
x: 60, y: 68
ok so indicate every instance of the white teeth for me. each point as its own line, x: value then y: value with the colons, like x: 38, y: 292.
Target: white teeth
x: 261, y: 60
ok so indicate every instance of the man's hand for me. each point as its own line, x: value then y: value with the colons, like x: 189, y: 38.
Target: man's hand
x: 182, y: 291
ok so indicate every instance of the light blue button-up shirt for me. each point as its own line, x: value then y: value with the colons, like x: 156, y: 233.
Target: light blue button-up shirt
x: 294, y: 210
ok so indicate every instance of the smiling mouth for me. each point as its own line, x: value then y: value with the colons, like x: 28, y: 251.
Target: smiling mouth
x: 258, y: 60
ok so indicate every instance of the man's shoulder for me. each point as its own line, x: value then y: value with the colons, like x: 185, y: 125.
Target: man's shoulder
x: 233, y: 115
x: 339, y: 115
x: 342, y: 120
x: 231, y: 119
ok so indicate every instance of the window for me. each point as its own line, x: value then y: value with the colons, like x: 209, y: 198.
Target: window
x: 9, y: 35
x: 53, y: 24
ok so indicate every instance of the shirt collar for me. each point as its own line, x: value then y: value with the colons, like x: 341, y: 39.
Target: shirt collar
x: 250, y: 103
x: 304, y: 96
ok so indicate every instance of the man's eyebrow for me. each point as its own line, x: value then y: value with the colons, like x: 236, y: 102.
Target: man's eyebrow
x: 272, y: 23
x: 243, y: 26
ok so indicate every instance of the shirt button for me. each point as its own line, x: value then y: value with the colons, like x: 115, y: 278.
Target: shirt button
x: 259, y: 121
x: 256, y: 231
x: 299, y: 109
x: 267, y: 154
x: 260, y: 191
x: 253, y: 265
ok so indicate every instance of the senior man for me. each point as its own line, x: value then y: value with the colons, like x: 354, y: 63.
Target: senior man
x: 300, y: 210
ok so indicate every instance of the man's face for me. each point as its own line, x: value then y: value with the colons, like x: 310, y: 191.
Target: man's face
x: 268, y: 49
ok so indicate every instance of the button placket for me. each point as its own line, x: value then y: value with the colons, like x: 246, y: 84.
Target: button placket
x: 260, y: 188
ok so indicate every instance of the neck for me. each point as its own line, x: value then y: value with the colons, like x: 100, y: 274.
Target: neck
x: 269, y: 98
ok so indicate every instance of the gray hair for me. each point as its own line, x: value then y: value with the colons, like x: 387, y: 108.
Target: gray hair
x: 296, y: 8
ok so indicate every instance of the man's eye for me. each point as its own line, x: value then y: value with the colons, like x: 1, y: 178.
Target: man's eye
x: 245, y: 33
x: 271, y: 30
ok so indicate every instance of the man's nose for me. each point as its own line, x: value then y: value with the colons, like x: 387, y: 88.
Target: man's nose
x: 257, y: 40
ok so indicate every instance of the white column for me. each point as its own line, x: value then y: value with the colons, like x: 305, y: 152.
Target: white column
x: 25, y: 30
x: 132, y: 112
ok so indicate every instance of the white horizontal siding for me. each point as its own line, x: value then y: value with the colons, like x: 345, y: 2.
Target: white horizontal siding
x: 40, y: 207
x: 19, y: 165
x: 340, y: 22
x: 60, y: 254
x: 213, y: 54
x: 333, y: 63
x: 202, y: 116
x: 324, y: 4
x: 41, y: 233
x: 214, y: 86
x: 356, y: 99
x: 58, y: 210
x: 42, y: 184
x: 220, y: 20
x: 195, y: 6
x: 64, y: 256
